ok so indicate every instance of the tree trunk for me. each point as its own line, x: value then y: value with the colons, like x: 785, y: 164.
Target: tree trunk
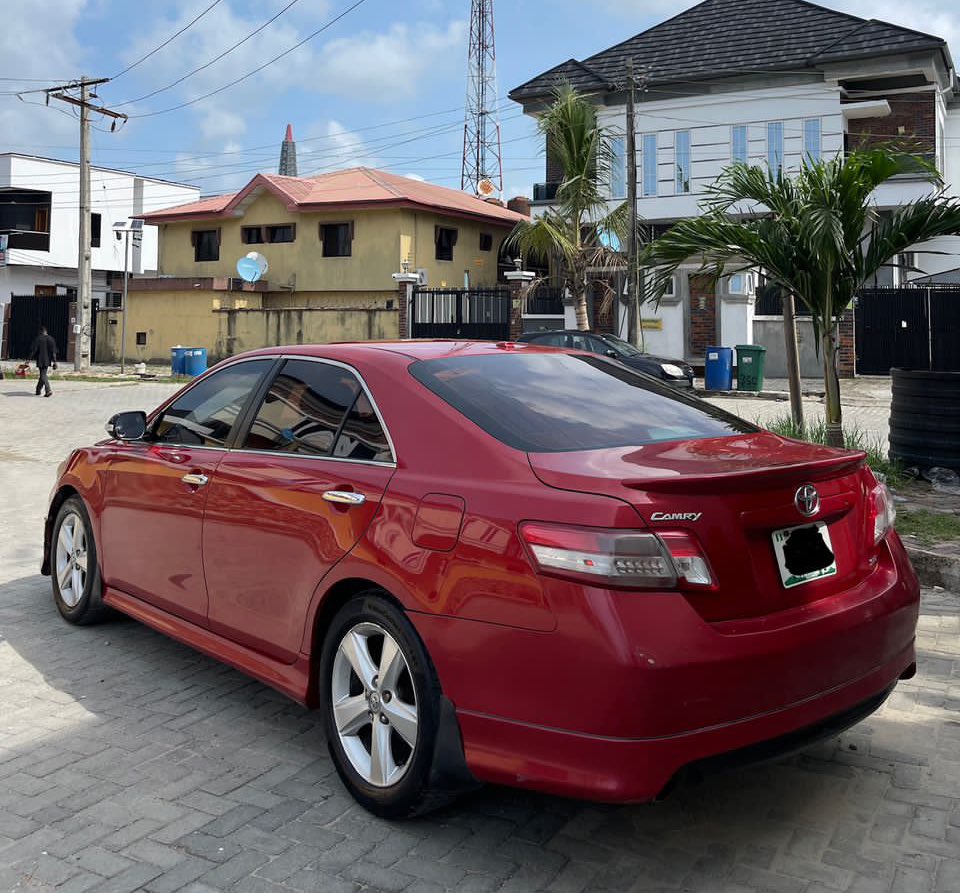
x: 580, y: 303
x: 831, y: 381
x: 792, y: 358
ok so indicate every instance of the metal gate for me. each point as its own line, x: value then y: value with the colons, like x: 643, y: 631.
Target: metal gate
x: 480, y: 314
x: 907, y: 328
x: 28, y: 313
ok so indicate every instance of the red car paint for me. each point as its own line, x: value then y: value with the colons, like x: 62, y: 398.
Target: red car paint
x: 560, y: 684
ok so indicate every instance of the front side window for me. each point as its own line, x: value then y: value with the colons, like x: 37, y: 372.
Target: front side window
x: 649, y: 160
x: 618, y: 167
x: 811, y: 140
x: 775, y: 147
x: 207, y: 413
x: 206, y: 244
x: 445, y: 239
x: 738, y: 144
x: 337, y: 239
x: 555, y: 403
x: 682, y: 150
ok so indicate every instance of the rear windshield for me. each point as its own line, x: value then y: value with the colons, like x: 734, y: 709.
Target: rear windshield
x: 553, y: 403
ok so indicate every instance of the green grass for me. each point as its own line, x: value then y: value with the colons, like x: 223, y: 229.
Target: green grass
x: 854, y: 438
x: 928, y: 527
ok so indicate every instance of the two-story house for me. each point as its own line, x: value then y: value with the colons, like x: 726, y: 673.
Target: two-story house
x: 40, y: 215
x: 332, y: 244
x: 762, y: 82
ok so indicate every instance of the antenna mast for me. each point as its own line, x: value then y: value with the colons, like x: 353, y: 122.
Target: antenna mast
x: 482, y: 172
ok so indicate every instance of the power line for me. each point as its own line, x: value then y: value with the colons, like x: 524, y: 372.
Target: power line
x: 259, y: 68
x: 207, y: 64
x: 168, y: 41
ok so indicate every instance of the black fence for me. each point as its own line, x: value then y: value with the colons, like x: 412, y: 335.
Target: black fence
x: 481, y: 314
x: 28, y: 313
x: 545, y: 300
x: 770, y: 303
x: 908, y: 328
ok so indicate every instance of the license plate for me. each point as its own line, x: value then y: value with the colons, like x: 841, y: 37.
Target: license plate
x: 804, y: 553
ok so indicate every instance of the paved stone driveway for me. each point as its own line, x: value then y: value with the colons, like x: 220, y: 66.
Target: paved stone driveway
x: 129, y: 762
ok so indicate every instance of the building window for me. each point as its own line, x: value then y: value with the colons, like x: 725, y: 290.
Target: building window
x: 775, y: 147
x: 486, y: 242
x: 337, y: 239
x: 286, y: 232
x: 251, y: 235
x: 618, y: 167
x: 738, y: 144
x: 141, y: 339
x: 94, y: 230
x: 811, y: 140
x: 445, y: 240
x: 41, y: 220
x: 648, y: 154
x: 682, y: 159
x: 206, y: 244
x: 113, y: 300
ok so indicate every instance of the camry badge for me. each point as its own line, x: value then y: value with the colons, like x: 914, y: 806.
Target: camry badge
x: 676, y: 516
x: 807, y: 500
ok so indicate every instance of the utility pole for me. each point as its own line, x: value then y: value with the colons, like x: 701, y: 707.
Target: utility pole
x: 81, y: 328
x: 793, y: 359
x: 633, y: 307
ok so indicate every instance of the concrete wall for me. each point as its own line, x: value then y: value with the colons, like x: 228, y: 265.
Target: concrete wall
x: 768, y: 331
x: 226, y: 325
x: 383, y: 239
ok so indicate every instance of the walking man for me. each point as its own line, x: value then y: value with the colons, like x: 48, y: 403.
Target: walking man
x: 44, y: 352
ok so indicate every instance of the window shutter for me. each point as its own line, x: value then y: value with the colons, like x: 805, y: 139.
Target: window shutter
x: 436, y: 234
x: 456, y: 234
x: 194, y: 237
x: 350, y: 231
x: 218, y: 236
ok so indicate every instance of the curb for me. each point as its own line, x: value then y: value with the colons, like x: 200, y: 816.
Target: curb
x: 935, y: 568
x: 757, y: 395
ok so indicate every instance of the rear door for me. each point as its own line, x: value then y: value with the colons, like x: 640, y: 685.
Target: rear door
x: 296, y: 496
x: 156, y: 490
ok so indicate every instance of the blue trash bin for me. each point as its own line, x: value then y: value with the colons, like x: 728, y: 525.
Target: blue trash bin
x: 178, y: 365
x: 195, y: 361
x: 719, y: 369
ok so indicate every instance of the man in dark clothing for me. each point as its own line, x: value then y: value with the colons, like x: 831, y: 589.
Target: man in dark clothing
x: 44, y: 352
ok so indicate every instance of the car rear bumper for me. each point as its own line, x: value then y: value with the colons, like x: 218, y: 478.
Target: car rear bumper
x: 640, y: 770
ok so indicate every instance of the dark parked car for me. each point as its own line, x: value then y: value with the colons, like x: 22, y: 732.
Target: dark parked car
x: 674, y: 372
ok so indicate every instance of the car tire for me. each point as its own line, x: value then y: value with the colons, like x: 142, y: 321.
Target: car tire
x: 74, y: 568
x: 382, y: 708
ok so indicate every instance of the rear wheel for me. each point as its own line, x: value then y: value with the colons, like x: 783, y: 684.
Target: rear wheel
x: 75, y: 571
x: 381, y: 707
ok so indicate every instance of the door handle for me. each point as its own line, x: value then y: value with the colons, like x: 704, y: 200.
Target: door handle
x: 344, y: 497
x: 196, y: 480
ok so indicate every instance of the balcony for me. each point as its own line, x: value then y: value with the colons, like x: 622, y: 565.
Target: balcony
x: 545, y: 192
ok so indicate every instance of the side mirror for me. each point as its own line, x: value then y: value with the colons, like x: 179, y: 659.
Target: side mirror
x: 612, y: 353
x: 127, y: 426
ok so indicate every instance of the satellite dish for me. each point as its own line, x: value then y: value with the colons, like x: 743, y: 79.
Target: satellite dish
x: 253, y: 267
x: 486, y: 188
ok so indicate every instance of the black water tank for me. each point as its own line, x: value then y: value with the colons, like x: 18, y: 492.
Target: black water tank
x: 925, y: 418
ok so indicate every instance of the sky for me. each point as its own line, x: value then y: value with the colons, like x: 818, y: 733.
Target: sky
x: 382, y: 84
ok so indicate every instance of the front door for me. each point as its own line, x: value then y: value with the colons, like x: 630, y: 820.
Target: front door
x: 156, y: 490
x: 294, y: 499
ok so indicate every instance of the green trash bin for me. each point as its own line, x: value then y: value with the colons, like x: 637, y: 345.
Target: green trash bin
x: 751, y: 359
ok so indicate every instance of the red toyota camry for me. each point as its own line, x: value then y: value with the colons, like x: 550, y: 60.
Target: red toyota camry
x: 495, y: 563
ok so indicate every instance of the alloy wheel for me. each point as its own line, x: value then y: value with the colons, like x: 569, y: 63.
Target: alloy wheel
x: 71, y: 565
x: 374, y: 704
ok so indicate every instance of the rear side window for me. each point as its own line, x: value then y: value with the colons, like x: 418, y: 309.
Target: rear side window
x: 303, y: 410
x: 206, y: 414
x: 551, y: 403
x: 362, y: 437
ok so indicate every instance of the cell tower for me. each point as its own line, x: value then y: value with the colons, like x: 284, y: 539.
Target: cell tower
x: 482, y: 172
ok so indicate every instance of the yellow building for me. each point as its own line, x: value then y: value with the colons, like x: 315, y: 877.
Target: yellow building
x: 332, y: 244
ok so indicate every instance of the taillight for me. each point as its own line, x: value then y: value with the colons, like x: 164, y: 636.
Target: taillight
x: 618, y: 558
x: 881, y: 512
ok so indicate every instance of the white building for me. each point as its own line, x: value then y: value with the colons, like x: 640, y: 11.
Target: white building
x: 40, y: 214
x: 763, y: 82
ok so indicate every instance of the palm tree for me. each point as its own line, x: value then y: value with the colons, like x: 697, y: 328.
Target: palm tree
x: 579, y: 232
x: 818, y: 237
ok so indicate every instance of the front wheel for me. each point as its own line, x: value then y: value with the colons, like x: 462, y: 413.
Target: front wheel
x: 75, y: 571
x: 381, y: 707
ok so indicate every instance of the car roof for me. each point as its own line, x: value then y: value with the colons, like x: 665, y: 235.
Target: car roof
x: 414, y: 349
x: 567, y: 332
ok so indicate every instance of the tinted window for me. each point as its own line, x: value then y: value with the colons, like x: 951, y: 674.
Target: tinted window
x: 205, y: 415
x: 556, y: 340
x: 303, y: 409
x: 559, y: 402
x: 362, y: 437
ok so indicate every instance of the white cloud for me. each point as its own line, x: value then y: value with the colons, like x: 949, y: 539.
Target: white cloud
x: 330, y: 146
x: 391, y: 65
x: 39, y: 44
x: 416, y: 177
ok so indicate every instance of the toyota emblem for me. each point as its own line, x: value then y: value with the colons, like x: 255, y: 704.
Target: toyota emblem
x: 807, y: 500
